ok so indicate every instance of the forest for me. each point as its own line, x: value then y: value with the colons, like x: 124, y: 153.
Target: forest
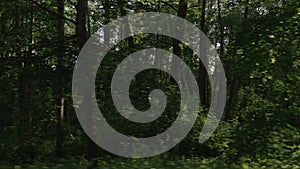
x: 257, y: 42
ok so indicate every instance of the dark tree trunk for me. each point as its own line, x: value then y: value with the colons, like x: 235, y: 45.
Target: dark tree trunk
x: 82, y: 37
x: 203, y: 14
x: 81, y: 31
x: 60, y: 78
x: 246, y: 11
x: 122, y: 5
x: 202, y: 71
x: 182, y: 12
x: 235, y: 87
x: 30, y: 54
x: 221, y: 28
x: 106, y: 20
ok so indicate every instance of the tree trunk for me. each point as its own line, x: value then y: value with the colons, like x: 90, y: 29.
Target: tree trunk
x: 81, y: 31
x: 106, y: 21
x: 235, y: 87
x: 182, y: 12
x: 232, y: 95
x: 221, y: 28
x: 122, y: 5
x: 202, y: 71
x: 82, y: 37
x: 246, y: 11
x: 60, y: 78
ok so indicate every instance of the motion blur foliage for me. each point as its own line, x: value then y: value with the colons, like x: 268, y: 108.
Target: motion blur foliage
x: 258, y: 43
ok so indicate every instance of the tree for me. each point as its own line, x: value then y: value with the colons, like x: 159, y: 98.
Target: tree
x: 202, y: 71
x: 60, y: 78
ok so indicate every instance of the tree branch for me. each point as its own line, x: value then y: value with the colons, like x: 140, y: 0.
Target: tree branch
x: 168, y: 4
x: 36, y: 4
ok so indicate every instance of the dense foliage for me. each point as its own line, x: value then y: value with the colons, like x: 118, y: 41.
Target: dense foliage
x: 258, y: 41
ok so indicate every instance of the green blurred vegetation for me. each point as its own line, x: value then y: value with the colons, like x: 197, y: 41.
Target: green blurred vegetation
x: 258, y: 42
